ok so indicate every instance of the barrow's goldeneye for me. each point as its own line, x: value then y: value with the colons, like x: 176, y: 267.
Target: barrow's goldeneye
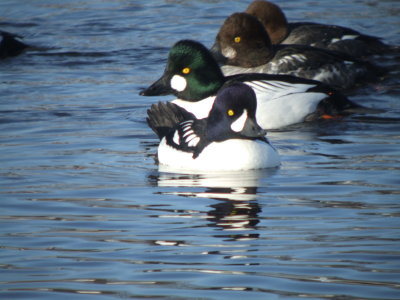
x: 228, y: 139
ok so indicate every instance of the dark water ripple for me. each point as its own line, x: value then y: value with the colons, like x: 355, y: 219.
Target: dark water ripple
x: 85, y: 211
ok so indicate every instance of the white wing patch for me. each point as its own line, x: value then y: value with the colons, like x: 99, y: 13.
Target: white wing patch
x: 190, y: 138
x: 186, y: 124
x: 344, y: 37
x: 299, y: 57
x: 349, y: 37
x: 187, y: 132
x: 193, y: 142
x: 288, y: 59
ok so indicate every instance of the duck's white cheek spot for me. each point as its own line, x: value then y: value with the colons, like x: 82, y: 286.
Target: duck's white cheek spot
x: 238, y: 125
x: 178, y: 83
x: 228, y: 52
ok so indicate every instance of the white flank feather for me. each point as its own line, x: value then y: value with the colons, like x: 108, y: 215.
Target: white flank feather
x: 230, y: 155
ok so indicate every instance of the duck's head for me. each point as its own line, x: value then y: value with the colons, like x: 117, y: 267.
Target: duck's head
x: 191, y: 73
x: 233, y: 114
x: 243, y: 41
x: 272, y: 18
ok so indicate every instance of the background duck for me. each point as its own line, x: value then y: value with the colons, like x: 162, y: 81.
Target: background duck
x: 332, y: 37
x: 245, y: 47
x: 193, y: 75
x: 10, y: 45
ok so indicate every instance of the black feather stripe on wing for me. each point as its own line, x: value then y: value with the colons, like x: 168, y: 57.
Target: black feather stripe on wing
x: 163, y: 117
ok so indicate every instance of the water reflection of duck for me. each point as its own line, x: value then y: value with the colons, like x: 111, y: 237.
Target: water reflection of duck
x: 236, y: 208
x: 233, y: 215
x: 236, y: 184
x: 10, y: 45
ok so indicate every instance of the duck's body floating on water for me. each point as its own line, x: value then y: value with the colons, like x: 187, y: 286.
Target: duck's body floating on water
x: 229, y: 139
x: 245, y: 47
x: 193, y: 75
x: 332, y: 37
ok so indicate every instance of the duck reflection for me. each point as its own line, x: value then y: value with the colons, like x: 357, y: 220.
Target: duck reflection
x: 237, y: 208
x: 235, y: 214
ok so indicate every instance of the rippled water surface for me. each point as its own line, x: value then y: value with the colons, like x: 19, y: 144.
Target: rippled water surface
x: 85, y: 211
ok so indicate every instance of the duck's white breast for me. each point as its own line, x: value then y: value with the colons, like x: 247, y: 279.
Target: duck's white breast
x: 230, y: 155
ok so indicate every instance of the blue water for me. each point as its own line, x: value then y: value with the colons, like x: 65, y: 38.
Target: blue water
x: 86, y: 213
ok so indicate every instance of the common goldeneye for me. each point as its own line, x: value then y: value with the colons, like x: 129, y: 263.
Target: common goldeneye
x: 229, y: 139
x: 246, y: 48
x: 10, y: 45
x: 193, y: 75
x: 325, y: 36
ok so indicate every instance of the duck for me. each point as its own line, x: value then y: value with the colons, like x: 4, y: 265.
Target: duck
x: 194, y: 77
x: 332, y: 37
x: 10, y: 45
x: 229, y: 139
x: 245, y: 47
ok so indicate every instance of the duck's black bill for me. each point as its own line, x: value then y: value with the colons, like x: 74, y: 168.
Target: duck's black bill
x: 159, y: 88
x: 252, y: 129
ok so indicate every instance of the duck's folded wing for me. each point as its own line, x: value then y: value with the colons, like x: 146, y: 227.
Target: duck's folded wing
x: 163, y: 117
x: 276, y: 86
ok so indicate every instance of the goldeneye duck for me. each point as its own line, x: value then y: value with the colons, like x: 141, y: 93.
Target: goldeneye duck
x: 10, y: 45
x: 247, y: 48
x: 325, y: 36
x: 229, y: 139
x: 193, y: 75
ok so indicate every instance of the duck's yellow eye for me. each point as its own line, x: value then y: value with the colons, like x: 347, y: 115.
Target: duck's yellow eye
x: 186, y: 70
x: 237, y: 39
x: 231, y: 112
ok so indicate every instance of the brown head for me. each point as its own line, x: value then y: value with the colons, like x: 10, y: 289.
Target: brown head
x: 272, y: 18
x: 243, y: 41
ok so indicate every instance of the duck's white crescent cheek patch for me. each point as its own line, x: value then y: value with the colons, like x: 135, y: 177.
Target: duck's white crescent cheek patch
x: 178, y: 83
x: 229, y: 52
x: 238, y: 125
